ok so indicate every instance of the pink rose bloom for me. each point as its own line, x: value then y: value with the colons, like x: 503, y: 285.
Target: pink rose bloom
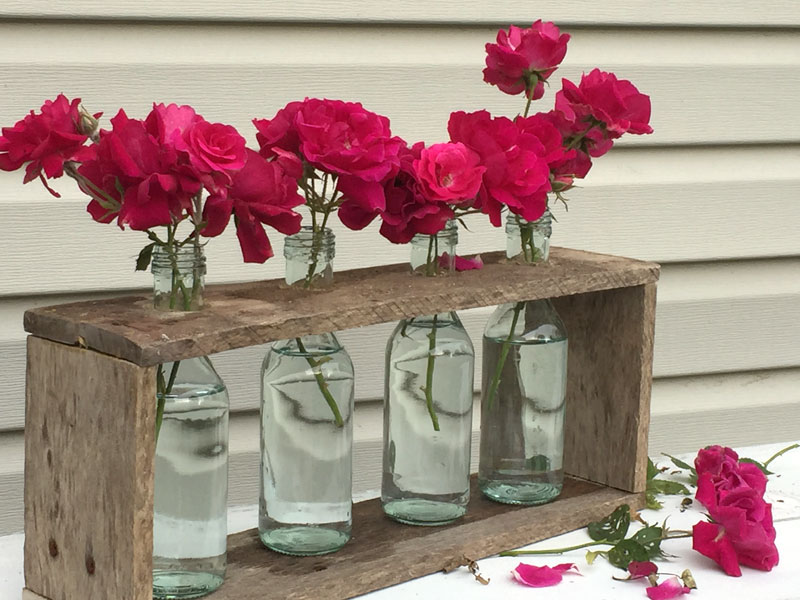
x: 712, y: 459
x: 524, y: 58
x: 616, y: 103
x: 517, y: 174
x: 261, y: 194
x: 344, y: 138
x: 44, y: 140
x: 720, y: 472
x: 742, y: 533
x: 215, y: 149
x: 153, y: 185
x: 449, y: 172
x: 408, y: 211
x: 168, y: 122
x: 279, y: 132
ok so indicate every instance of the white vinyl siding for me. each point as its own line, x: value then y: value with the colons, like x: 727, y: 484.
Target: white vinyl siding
x: 713, y: 194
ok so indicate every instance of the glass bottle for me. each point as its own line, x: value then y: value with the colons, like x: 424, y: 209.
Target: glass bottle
x: 307, y: 424
x: 427, y: 419
x: 524, y: 386
x: 191, y: 460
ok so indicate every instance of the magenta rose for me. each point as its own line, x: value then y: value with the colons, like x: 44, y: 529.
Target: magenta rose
x: 449, y: 172
x: 44, y: 140
x: 616, y: 103
x: 523, y: 59
x: 720, y: 472
x: 141, y: 176
x: 517, y: 174
x: 742, y: 533
x: 168, y: 122
x: 344, y: 138
x: 261, y: 193
x: 215, y: 149
x: 279, y: 132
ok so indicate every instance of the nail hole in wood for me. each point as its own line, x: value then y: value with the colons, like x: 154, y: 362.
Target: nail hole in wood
x: 53, y: 548
x: 90, y: 566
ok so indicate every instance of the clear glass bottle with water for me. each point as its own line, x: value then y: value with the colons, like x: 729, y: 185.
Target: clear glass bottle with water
x: 191, y: 460
x: 307, y: 424
x: 524, y: 386
x: 427, y: 424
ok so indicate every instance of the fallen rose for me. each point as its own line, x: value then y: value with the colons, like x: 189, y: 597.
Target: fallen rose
x: 667, y: 589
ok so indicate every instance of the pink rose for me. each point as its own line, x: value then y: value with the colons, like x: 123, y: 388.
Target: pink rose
x: 449, y: 172
x: 712, y: 459
x: 616, y: 103
x: 742, y: 533
x: 720, y: 472
x: 346, y: 139
x: 261, y: 194
x: 279, y: 132
x: 141, y: 176
x: 44, y: 140
x: 517, y: 174
x: 408, y: 211
x: 215, y: 149
x: 523, y: 59
x: 168, y: 122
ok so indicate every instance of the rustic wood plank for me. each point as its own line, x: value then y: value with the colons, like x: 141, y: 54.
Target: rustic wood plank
x: 608, y: 388
x: 29, y: 595
x: 89, y: 439
x: 246, y: 314
x: 384, y: 553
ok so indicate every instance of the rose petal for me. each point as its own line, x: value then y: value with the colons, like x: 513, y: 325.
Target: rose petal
x: 670, y: 588
x: 639, y: 569
x: 462, y: 263
x: 545, y: 576
x: 710, y: 540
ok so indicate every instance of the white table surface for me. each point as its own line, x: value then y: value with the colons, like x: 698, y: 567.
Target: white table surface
x: 595, y: 582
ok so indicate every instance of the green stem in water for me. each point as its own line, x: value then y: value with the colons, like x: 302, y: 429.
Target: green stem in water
x: 428, y: 389
x: 321, y: 383
x: 163, y: 389
x: 780, y: 453
x: 495, y: 383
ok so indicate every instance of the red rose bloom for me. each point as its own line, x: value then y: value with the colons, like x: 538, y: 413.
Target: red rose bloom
x: 139, y: 173
x: 525, y: 58
x: 261, y: 192
x: 344, y: 138
x: 167, y: 123
x: 44, y: 140
x: 449, y: 172
x: 215, y: 149
x: 279, y: 132
x: 517, y: 174
x: 601, y: 97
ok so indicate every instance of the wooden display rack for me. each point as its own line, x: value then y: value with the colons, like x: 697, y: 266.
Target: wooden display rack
x: 90, y: 423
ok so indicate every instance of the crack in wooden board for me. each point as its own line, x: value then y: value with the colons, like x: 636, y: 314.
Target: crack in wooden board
x: 247, y: 314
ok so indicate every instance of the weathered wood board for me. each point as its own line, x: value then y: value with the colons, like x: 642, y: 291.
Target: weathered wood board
x: 89, y: 440
x: 247, y: 314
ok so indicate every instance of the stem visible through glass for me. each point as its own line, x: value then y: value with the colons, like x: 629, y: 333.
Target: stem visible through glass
x: 495, y: 383
x: 431, y: 268
x: 321, y: 383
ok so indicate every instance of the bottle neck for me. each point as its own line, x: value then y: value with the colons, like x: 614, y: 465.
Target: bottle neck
x: 178, y: 277
x: 433, y: 255
x: 528, y: 241
x: 309, y: 257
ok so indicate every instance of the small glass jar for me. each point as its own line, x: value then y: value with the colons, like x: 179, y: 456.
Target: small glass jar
x: 524, y: 386
x: 307, y: 406
x: 427, y: 419
x: 191, y: 459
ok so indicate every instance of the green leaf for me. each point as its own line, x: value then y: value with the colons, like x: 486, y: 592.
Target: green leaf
x: 652, y: 503
x: 650, y: 539
x: 591, y: 555
x: 679, y: 463
x: 652, y: 471
x: 758, y: 464
x: 144, y: 257
x: 613, y: 528
x: 625, y: 552
x: 663, y: 486
x: 539, y: 462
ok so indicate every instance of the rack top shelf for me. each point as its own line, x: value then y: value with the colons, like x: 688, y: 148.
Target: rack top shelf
x: 246, y: 314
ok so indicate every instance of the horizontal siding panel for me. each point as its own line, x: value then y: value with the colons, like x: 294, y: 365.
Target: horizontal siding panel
x: 710, y: 318
x: 781, y: 13
x: 740, y: 409
x: 700, y: 83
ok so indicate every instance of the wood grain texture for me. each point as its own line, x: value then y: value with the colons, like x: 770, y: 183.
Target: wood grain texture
x: 29, y: 595
x: 89, y: 438
x: 781, y: 13
x: 608, y: 386
x: 254, y: 313
x: 383, y: 553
